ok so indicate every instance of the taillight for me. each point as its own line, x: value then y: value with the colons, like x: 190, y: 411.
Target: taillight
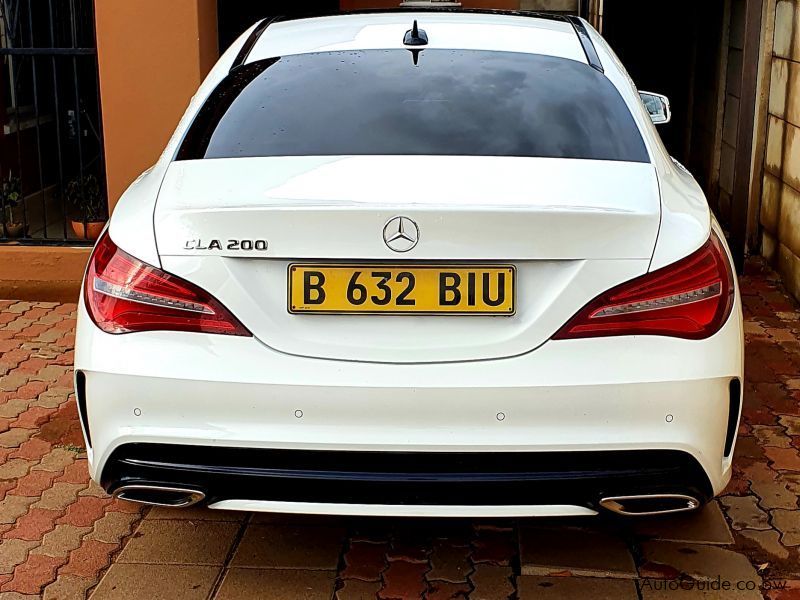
x: 691, y: 299
x: 123, y: 295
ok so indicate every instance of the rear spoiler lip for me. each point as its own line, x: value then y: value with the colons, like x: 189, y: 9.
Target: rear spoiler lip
x: 250, y: 42
x: 586, y: 42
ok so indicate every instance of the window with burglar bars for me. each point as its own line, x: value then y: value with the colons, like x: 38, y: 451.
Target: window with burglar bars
x: 52, y: 175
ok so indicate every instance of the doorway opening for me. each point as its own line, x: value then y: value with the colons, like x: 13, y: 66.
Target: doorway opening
x: 684, y: 66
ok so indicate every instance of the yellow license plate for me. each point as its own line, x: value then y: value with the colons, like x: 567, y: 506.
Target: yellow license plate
x: 401, y: 289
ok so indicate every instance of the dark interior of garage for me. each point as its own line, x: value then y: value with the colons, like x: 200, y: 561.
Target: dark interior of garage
x: 675, y: 50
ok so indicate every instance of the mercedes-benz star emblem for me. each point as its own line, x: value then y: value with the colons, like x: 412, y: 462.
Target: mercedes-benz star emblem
x: 401, y: 234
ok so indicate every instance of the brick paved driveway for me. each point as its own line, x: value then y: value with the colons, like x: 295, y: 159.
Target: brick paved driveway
x: 61, y: 537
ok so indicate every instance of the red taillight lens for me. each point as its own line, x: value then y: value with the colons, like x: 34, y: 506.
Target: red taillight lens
x: 124, y: 294
x: 691, y: 299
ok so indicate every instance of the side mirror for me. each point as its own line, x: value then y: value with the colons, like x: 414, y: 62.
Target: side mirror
x: 658, y: 107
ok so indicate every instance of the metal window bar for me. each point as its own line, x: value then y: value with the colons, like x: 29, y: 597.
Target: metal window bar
x: 51, y: 143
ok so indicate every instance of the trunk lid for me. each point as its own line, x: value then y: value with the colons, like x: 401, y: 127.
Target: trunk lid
x: 572, y: 228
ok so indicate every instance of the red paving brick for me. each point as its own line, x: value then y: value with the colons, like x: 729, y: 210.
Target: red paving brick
x: 34, y: 483
x: 75, y: 473
x: 784, y: 459
x: 44, y: 434
x: 33, y: 525
x: 32, y: 365
x: 88, y: 560
x: 85, y: 511
x: 365, y: 561
x: 31, y: 390
x: 497, y: 548
x: 33, y: 575
x: 32, y: 449
x: 33, y: 417
x: 404, y: 580
x: 443, y: 590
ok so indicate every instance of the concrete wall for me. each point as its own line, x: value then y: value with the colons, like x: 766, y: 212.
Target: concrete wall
x: 780, y: 197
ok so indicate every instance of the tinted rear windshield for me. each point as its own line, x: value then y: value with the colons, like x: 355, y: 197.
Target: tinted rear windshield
x: 447, y: 102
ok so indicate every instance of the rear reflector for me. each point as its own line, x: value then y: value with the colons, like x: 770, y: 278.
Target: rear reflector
x: 690, y: 299
x: 124, y: 295
x: 733, y: 415
x: 80, y: 397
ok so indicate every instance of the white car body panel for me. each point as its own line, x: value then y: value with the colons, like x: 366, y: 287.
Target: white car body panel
x: 186, y: 394
x: 133, y: 216
x: 572, y: 228
x: 546, y: 208
x: 685, y: 216
x: 548, y: 293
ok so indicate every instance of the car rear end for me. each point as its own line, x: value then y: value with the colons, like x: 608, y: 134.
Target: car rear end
x: 428, y: 282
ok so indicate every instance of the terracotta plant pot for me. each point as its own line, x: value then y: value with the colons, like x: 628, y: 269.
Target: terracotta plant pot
x: 91, y: 231
x: 14, y: 230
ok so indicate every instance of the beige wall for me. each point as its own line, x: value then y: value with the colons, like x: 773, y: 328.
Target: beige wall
x: 152, y: 55
x: 780, y: 200
x: 730, y: 121
x: 596, y: 14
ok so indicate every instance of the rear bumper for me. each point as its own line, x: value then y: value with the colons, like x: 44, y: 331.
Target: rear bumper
x: 470, y: 480
x: 612, y: 397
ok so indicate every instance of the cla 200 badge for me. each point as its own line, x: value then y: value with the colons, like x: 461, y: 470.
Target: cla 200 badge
x: 261, y: 245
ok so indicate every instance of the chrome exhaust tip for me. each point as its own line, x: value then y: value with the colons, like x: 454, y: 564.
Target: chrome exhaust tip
x: 159, y: 495
x: 650, y: 504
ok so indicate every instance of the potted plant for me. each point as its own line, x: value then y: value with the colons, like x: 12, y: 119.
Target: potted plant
x: 10, y: 200
x: 84, y: 194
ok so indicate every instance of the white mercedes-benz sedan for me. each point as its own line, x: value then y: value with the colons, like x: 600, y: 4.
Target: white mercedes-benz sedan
x: 414, y: 263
